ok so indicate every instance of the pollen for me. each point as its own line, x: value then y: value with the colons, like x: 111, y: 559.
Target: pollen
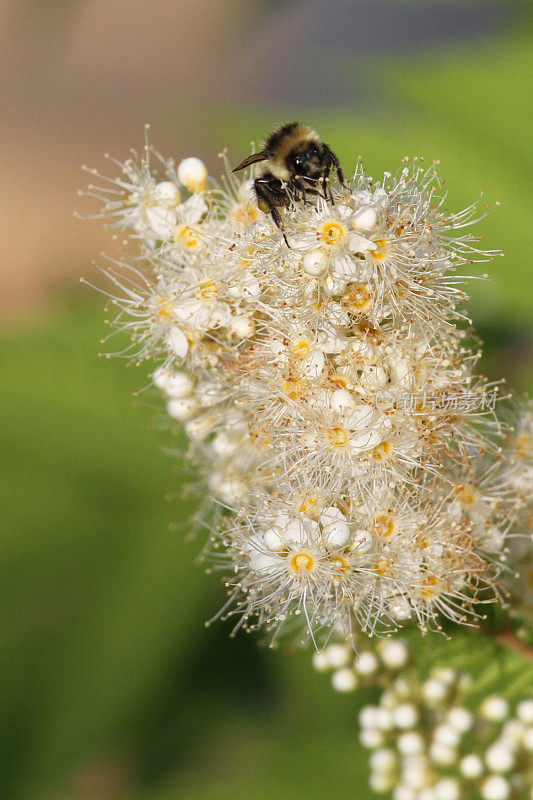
x: 300, y: 347
x: 384, y: 566
x: 340, y: 565
x: 332, y: 233
x: 293, y: 388
x: 248, y: 257
x: 245, y: 213
x: 186, y: 238
x: 301, y: 562
x: 430, y: 588
x: 357, y: 299
x: 385, y: 525
x: 208, y: 290
x: 337, y: 436
x: 309, y: 506
x: 466, y: 494
x: 164, y: 309
x: 382, y: 250
x: 383, y: 451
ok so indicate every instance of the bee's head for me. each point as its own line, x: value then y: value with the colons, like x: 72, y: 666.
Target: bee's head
x: 306, y: 160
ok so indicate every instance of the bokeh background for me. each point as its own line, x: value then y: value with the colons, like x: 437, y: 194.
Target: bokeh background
x: 110, y: 686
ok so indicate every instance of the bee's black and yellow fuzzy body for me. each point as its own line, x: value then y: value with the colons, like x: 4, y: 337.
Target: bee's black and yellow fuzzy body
x: 294, y: 162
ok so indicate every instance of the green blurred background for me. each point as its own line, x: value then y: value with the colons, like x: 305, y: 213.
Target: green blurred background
x: 111, y: 688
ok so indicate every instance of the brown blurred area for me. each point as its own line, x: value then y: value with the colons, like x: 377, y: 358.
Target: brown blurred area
x: 80, y: 78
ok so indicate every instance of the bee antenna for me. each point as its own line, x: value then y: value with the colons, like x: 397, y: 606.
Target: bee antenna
x: 253, y: 159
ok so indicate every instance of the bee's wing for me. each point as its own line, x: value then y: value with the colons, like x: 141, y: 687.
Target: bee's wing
x: 254, y: 158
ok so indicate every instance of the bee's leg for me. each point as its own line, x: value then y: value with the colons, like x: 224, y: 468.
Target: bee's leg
x: 325, y: 183
x: 328, y: 195
x: 276, y: 216
x: 336, y: 163
x: 300, y: 187
x: 270, y: 197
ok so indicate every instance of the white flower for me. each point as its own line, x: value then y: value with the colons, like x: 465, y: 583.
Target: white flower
x: 383, y: 760
x: 328, y: 393
x: 335, y: 529
x: 368, y: 716
x: 344, y: 680
x: 528, y: 738
x: 416, y: 772
x: 394, y: 653
x: 330, y: 243
x: 182, y: 408
x: 381, y: 781
x: 471, y: 766
x: 187, y: 235
x: 366, y: 663
x: 513, y: 732
x: 495, y: 788
x: 494, y: 708
x: 192, y: 174
x: 371, y: 738
x: 442, y: 754
x: 383, y: 719
x: 405, y: 716
x: 434, y: 691
x: 177, y: 342
x: 524, y: 711
x: 173, y: 384
x: 201, y: 306
x: 403, y: 792
x: 400, y: 608
x: 369, y: 208
x: 499, y: 757
x: 447, y: 789
x: 446, y: 735
x: 321, y: 661
x: 411, y: 743
x: 337, y: 655
x: 460, y: 719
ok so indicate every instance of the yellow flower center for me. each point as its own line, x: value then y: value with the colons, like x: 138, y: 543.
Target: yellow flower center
x: 340, y: 565
x: 430, y: 587
x: 466, y: 494
x: 524, y: 445
x: 337, y: 436
x: 248, y: 258
x: 208, y: 290
x: 332, y: 233
x: 164, y: 309
x: 384, y: 566
x: 421, y: 541
x: 383, y: 451
x: 293, y: 388
x: 309, y: 506
x: 381, y: 250
x: 245, y: 213
x: 302, y: 561
x: 357, y: 299
x: 300, y: 347
x: 186, y: 237
x: 384, y: 525
x: 260, y: 437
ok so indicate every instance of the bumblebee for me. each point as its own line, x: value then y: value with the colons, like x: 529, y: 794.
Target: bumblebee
x: 297, y: 164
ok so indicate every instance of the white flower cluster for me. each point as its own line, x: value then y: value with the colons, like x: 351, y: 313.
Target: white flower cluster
x: 327, y: 385
x: 427, y: 746
x: 370, y: 665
